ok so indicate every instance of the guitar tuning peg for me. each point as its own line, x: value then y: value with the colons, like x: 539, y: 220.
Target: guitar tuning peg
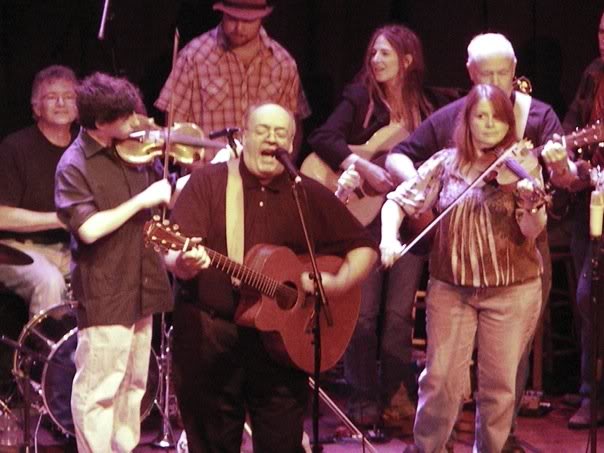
x: 156, y: 248
x: 166, y: 222
x: 156, y: 218
x: 175, y: 227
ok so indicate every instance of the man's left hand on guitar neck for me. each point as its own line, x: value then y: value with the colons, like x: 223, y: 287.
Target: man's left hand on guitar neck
x: 186, y: 265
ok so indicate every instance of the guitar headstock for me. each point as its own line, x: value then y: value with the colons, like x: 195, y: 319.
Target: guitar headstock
x: 164, y: 236
x: 594, y: 133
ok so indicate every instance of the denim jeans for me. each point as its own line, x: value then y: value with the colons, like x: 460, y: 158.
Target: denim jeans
x: 384, y: 330
x: 502, y: 321
x: 582, y: 255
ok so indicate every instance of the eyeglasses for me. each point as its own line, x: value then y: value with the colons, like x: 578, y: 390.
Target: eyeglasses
x: 53, y: 98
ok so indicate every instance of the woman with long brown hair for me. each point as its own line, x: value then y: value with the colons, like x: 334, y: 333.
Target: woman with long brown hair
x: 387, y: 96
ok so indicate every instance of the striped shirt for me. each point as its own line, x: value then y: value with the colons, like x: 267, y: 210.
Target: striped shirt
x: 212, y: 87
x: 479, y: 243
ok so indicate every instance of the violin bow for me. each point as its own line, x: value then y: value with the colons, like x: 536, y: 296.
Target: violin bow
x: 500, y: 159
x: 170, y: 119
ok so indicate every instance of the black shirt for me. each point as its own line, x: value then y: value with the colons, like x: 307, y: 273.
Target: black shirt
x: 270, y: 218
x: 27, y: 177
x: 436, y: 132
x: 345, y: 126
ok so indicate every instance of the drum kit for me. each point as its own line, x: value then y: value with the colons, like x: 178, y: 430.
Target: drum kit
x: 43, y: 368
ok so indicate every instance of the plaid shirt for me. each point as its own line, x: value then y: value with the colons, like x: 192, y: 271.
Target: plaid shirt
x: 212, y: 88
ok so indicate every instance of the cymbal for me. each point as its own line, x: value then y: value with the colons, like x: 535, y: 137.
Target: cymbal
x: 10, y: 255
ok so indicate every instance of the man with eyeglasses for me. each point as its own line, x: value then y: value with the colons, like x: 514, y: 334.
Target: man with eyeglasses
x: 28, y: 220
x: 224, y: 369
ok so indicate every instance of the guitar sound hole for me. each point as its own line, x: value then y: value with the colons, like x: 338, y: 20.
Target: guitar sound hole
x: 287, y: 295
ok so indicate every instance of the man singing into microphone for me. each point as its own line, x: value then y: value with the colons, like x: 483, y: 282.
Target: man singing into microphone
x: 223, y: 370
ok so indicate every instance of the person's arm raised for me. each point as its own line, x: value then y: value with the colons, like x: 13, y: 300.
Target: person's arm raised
x: 105, y: 222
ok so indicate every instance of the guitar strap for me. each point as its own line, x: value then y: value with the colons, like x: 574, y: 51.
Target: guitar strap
x: 522, y: 105
x: 234, y: 214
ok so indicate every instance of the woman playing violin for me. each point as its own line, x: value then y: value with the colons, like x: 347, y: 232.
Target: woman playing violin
x: 485, y: 273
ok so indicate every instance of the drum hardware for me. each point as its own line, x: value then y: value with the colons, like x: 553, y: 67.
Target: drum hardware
x: 165, y: 439
x: 29, y: 357
x: 53, y: 332
x: 11, y: 433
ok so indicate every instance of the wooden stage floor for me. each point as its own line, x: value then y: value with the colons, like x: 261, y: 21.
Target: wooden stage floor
x: 544, y: 434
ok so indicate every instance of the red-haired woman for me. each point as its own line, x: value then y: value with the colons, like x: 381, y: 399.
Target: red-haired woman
x: 485, y: 270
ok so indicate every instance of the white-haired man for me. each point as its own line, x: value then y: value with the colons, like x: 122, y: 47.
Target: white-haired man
x: 28, y: 220
x: 491, y: 60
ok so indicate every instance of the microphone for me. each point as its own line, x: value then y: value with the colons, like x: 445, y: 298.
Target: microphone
x: 283, y: 156
x: 596, y: 212
x: 223, y: 132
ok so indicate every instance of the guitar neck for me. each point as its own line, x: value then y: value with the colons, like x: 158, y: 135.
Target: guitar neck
x: 167, y: 237
x: 260, y: 282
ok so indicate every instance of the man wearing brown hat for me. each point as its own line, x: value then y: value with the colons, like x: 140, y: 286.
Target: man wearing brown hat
x: 220, y: 73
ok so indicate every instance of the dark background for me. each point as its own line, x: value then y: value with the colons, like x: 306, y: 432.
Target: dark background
x: 554, y: 41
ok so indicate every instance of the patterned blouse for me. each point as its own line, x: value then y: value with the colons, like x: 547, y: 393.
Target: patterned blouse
x: 479, y: 242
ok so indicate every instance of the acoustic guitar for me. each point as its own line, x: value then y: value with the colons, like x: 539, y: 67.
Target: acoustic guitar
x: 364, y: 203
x: 273, y: 301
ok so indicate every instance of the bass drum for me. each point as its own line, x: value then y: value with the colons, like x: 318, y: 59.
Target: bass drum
x: 50, y: 340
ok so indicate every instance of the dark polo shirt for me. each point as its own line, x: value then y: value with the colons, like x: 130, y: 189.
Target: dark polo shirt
x: 270, y: 217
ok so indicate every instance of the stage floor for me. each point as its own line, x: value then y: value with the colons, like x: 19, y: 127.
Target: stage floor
x: 544, y: 434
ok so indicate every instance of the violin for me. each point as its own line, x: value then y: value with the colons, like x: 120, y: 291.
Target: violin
x: 521, y: 163
x: 187, y: 144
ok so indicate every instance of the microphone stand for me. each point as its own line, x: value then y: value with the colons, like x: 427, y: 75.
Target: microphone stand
x: 320, y: 304
x: 596, y: 359
x: 165, y: 438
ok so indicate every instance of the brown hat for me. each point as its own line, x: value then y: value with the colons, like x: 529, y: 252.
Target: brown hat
x: 244, y: 9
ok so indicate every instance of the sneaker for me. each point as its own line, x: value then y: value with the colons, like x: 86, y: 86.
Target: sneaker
x: 399, y: 415
x: 581, y: 418
x: 396, y: 424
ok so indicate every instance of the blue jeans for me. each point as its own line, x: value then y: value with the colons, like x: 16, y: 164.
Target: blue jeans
x: 384, y: 330
x: 502, y: 321
x: 582, y: 256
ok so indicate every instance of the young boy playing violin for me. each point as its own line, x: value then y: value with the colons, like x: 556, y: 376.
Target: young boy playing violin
x: 118, y: 282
